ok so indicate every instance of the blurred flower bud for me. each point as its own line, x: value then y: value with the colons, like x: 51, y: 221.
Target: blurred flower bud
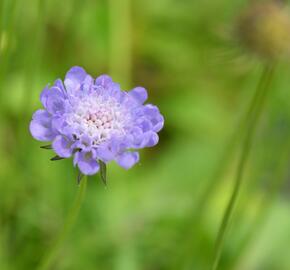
x: 264, y: 29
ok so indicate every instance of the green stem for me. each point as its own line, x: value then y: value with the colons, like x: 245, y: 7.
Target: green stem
x: 71, y: 219
x: 257, y: 103
x: 194, y: 239
x: 266, y: 201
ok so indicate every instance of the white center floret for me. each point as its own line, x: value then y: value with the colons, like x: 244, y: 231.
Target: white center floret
x: 98, y: 117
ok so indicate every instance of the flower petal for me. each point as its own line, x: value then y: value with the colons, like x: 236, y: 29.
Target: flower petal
x: 147, y: 139
x: 128, y: 159
x: 153, y: 113
x: 59, y: 84
x: 145, y: 124
x: 86, y: 163
x: 136, y: 137
x: 55, y: 102
x: 62, y: 147
x: 43, y: 96
x: 40, y: 126
x: 85, y: 143
x: 139, y: 94
x: 87, y: 84
x: 103, y: 80
x: 57, y: 124
x: 151, y: 139
x: 74, y: 78
x: 158, y: 123
x: 104, y: 153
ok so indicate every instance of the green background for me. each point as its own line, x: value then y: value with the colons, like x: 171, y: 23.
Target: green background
x: 165, y: 212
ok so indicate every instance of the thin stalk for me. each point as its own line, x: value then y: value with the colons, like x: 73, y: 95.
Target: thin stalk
x: 258, y: 102
x: 267, y: 199
x: 50, y: 257
x: 193, y: 240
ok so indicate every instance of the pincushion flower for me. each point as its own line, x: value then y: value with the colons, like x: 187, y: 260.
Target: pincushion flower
x: 95, y: 122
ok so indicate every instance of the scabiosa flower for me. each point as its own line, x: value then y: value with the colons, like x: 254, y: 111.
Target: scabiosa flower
x: 96, y: 122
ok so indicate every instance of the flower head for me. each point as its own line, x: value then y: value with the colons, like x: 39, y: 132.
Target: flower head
x: 263, y: 28
x: 94, y: 121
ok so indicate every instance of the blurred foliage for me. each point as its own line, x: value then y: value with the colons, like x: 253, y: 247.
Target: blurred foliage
x: 157, y: 215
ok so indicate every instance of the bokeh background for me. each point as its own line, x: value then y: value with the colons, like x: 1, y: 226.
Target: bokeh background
x: 165, y: 212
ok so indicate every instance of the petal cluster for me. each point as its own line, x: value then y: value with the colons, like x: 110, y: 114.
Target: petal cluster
x: 93, y: 120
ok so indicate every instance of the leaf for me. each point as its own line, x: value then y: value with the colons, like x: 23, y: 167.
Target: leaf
x: 103, y: 172
x: 80, y: 177
x: 56, y: 158
x: 47, y: 147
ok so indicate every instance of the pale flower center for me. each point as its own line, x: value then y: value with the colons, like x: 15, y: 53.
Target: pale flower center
x: 98, y: 118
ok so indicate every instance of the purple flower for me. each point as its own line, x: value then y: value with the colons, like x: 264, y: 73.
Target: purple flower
x: 95, y: 121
